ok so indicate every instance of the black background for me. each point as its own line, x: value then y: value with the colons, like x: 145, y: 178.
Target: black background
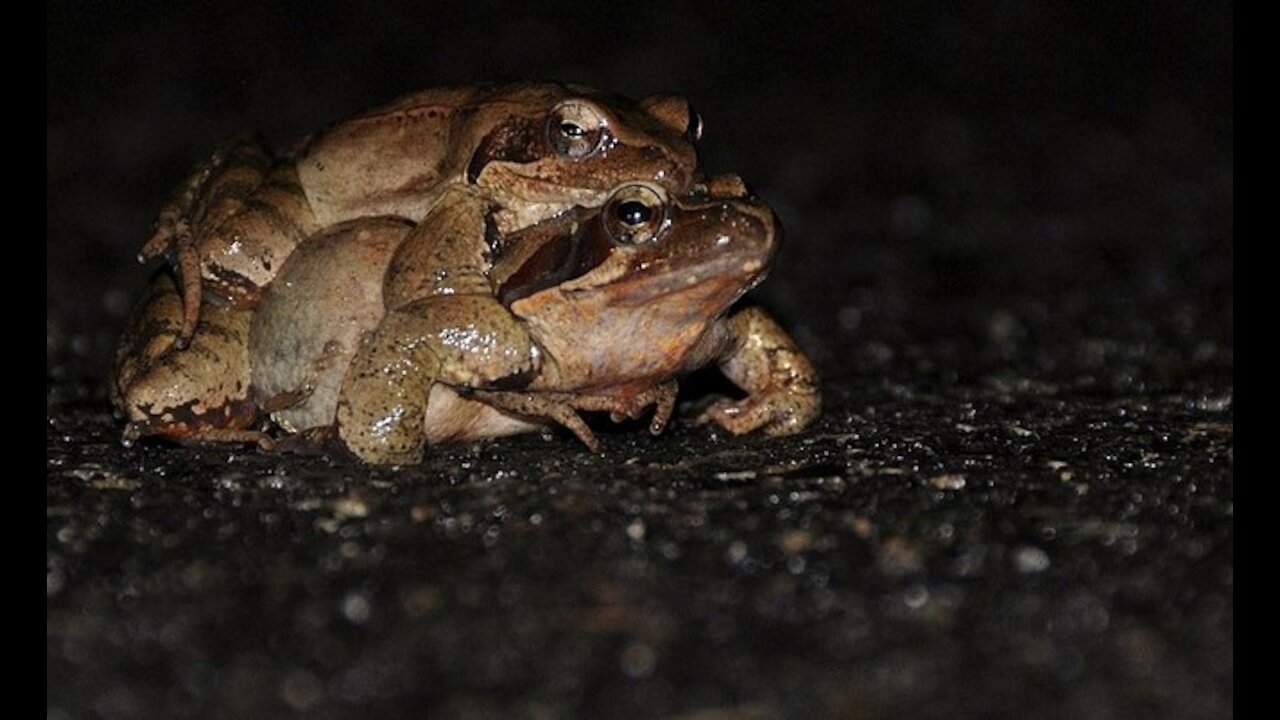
x: 1014, y: 216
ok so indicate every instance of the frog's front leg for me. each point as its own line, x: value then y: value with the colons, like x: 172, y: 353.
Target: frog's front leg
x: 781, y: 384
x: 201, y: 395
x: 458, y: 340
x: 230, y: 226
x: 443, y: 324
x: 626, y: 403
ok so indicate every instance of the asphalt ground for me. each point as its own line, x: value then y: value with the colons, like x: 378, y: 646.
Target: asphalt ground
x: 1009, y: 250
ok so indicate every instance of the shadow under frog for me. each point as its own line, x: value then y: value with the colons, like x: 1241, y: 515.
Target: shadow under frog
x: 382, y: 344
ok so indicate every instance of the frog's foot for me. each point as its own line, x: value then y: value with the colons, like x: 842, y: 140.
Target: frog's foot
x: 781, y: 384
x: 662, y: 398
x: 777, y: 414
x: 630, y: 405
x: 200, y: 395
x: 320, y: 440
x: 543, y: 407
x: 185, y: 426
x: 216, y: 189
x: 173, y: 239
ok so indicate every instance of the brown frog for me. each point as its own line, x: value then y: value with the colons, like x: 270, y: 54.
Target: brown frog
x: 529, y: 151
x: 599, y: 309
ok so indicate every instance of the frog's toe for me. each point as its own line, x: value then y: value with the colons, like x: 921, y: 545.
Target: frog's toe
x: 737, y: 416
x: 775, y: 415
x: 321, y: 440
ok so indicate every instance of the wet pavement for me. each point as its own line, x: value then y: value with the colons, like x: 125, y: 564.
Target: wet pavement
x: 1010, y: 252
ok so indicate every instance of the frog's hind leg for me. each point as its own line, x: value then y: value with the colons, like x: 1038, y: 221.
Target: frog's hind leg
x: 215, y: 191
x: 197, y: 396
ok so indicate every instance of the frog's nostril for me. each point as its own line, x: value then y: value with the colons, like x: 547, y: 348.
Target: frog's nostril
x: 729, y: 186
x: 652, y: 152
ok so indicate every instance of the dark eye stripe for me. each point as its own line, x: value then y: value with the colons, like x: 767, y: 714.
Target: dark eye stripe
x: 565, y: 257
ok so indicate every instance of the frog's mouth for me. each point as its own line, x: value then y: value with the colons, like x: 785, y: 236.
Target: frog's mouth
x: 709, y: 285
x: 560, y: 259
x: 715, y: 252
x: 718, y: 281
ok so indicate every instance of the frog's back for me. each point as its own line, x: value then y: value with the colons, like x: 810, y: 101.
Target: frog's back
x: 386, y: 161
x: 395, y: 158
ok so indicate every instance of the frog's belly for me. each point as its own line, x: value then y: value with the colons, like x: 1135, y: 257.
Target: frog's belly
x: 305, y: 332
x: 312, y: 316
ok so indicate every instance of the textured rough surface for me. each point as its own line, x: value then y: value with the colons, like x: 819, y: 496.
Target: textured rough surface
x: 1010, y: 251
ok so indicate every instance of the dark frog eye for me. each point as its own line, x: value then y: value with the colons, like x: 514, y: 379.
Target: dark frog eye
x: 576, y: 129
x: 634, y: 215
x: 694, y: 130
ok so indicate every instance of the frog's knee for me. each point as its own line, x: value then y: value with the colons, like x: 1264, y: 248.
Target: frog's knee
x: 152, y: 392
x: 177, y: 393
x: 381, y: 438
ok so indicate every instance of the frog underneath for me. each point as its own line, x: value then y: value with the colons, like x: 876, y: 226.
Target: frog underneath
x: 597, y: 309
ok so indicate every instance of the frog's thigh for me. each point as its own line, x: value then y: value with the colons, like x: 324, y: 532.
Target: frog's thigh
x: 243, y: 250
x: 201, y: 393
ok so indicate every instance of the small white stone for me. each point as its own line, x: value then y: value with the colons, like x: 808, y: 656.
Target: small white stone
x: 1028, y: 559
x: 356, y: 608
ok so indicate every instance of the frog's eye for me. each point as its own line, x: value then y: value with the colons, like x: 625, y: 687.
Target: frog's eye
x: 694, y: 129
x: 576, y: 129
x: 634, y: 215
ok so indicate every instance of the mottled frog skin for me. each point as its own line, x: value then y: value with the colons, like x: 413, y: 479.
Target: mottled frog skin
x: 380, y: 336
x: 528, y: 151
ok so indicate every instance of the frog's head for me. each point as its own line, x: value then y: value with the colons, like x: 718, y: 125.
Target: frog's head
x: 553, y: 145
x: 631, y: 289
